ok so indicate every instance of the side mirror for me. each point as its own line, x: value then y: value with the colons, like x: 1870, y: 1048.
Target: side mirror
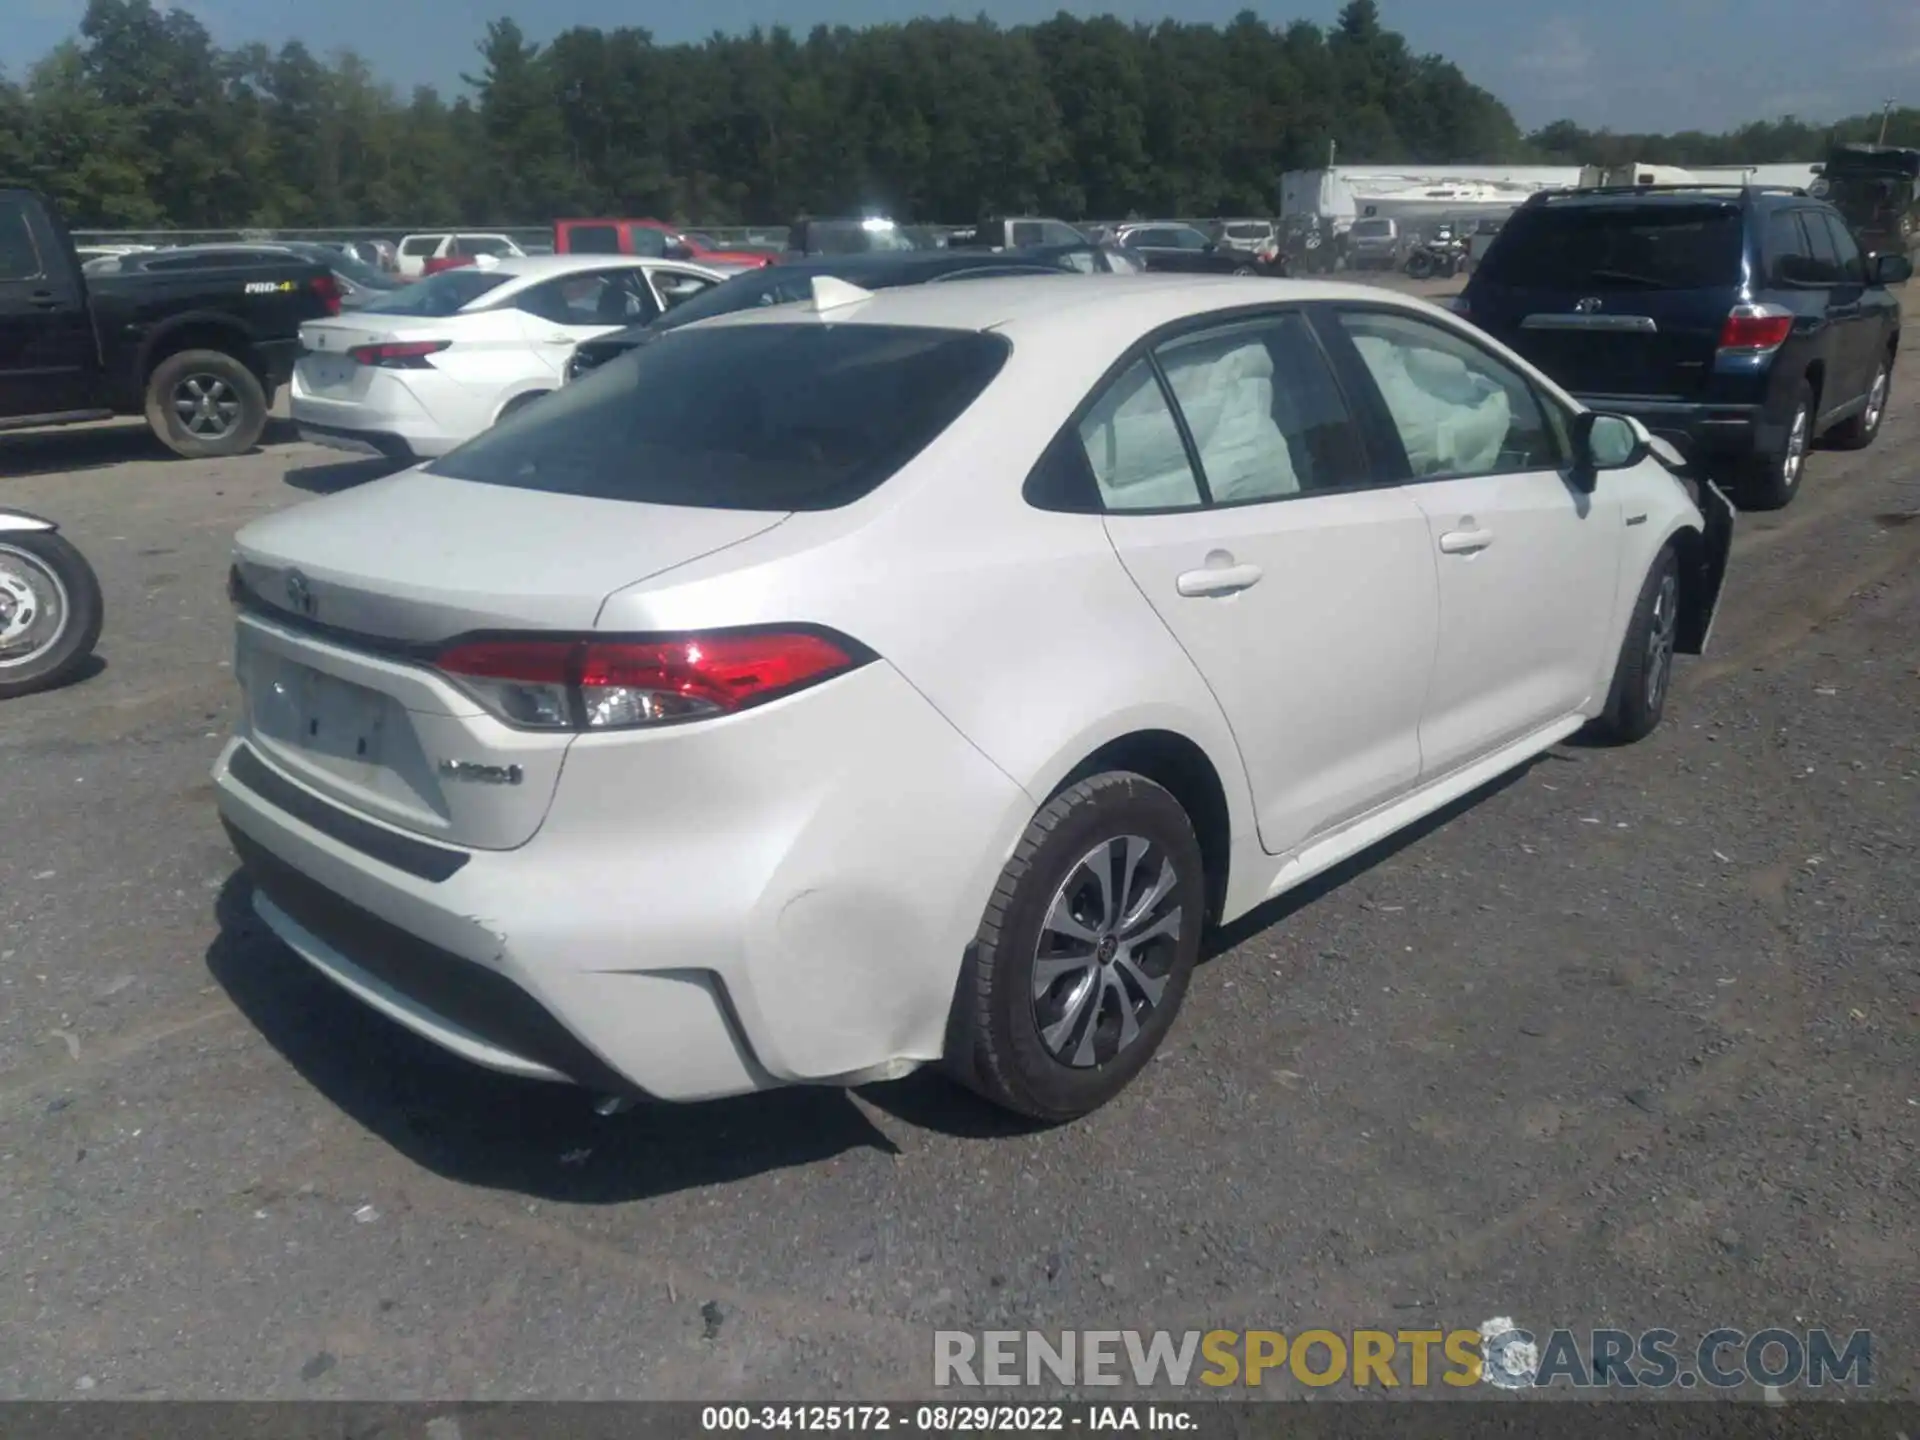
x: 678, y: 250
x: 1889, y: 270
x: 1606, y: 442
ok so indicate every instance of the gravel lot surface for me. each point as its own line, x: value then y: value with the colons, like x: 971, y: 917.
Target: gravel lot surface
x: 1631, y: 1039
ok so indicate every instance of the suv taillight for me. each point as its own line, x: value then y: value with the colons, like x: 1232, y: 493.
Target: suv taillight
x: 398, y: 354
x: 571, y: 684
x: 1755, y: 329
x: 328, y: 289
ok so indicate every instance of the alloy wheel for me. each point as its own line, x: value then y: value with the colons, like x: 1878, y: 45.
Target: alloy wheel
x: 1106, y: 949
x: 33, y: 607
x: 1796, y: 455
x: 1876, y: 400
x: 207, y: 405
x: 1664, y: 622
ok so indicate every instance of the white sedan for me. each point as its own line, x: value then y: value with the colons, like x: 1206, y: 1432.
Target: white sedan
x: 827, y: 689
x: 415, y: 373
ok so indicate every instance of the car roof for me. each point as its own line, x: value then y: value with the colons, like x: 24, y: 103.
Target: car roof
x: 532, y: 268
x: 1110, y: 310
x: 1729, y: 197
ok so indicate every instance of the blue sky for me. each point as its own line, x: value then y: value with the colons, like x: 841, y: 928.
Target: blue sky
x: 1628, y: 64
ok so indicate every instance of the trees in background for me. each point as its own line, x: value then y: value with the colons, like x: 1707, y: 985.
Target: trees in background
x: 141, y: 120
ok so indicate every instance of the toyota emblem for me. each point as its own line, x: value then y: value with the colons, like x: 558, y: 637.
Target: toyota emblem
x: 299, y: 593
x: 1588, y: 305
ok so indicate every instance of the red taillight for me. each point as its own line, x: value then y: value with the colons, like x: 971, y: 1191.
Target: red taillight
x: 399, y: 354
x: 620, y: 684
x: 1755, y: 329
x: 328, y: 289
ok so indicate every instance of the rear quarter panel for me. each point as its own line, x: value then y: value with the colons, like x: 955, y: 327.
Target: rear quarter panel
x: 258, y: 306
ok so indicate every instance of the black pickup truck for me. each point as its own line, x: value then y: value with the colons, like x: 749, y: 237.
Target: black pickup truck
x: 198, y: 350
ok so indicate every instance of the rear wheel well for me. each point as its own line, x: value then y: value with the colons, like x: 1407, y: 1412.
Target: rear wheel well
x: 204, y: 335
x: 1182, y: 768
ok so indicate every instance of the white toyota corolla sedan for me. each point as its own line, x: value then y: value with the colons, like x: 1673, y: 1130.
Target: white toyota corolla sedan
x: 421, y: 369
x: 825, y: 690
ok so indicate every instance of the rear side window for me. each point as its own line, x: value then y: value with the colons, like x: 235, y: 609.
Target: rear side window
x: 741, y: 417
x: 1133, y: 445
x: 19, y: 256
x: 1787, y: 257
x: 593, y: 239
x: 1265, y: 415
x: 1853, y: 267
x: 1592, y: 248
x: 593, y: 297
x: 1824, y: 265
x: 422, y: 245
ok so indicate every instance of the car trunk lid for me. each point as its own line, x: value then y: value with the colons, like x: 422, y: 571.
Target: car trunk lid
x: 346, y: 600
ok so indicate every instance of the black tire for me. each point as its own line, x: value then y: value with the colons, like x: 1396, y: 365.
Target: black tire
x: 1243, y: 270
x: 27, y: 559
x: 1005, y: 1053
x: 1770, y: 481
x: 203, y: 404
x: 1857, y: 432
x: 1643, y: 675
x: 1420, y: 267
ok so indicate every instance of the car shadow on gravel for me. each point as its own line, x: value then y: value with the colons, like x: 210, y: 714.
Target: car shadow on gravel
x: 477, y: 1127
x: 338, y: 475
x: 1284, y: 907
x: 96, y: 447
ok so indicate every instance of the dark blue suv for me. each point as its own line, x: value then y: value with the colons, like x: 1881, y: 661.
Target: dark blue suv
x: 1743, y: 324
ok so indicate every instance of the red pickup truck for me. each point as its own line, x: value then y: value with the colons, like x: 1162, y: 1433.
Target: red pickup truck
x: 653, y: 238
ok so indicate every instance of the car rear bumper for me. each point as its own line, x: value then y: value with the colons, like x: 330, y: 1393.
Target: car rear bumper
x: 358, y: 442
x: 366, y: 429
x: 698, y: 916
x: 1700, y: 431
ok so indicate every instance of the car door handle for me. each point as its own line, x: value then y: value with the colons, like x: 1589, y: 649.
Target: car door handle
x: 1218, y: 580
x: 44, y: 300
x: 1465, y: 542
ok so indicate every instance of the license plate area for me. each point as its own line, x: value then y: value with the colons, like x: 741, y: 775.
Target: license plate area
x: 318, y: 714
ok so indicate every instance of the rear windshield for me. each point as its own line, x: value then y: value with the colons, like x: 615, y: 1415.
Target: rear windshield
x: 1247, y: 231
x: 1618, y: 247
x: 747, y: 417
x: 447, y: 293
x: 1371, y: 229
